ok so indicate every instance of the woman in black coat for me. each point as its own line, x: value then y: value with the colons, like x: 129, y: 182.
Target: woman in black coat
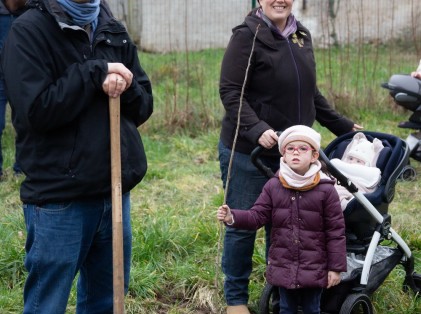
x: 281, y: 91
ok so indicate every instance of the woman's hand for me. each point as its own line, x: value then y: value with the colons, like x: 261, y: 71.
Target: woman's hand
x: 357, y: 127
x: 268, y: 139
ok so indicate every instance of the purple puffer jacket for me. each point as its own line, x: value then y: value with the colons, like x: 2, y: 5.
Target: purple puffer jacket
x: 308, y: 233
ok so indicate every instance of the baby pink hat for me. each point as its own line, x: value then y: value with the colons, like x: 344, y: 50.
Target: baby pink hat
x: 299, y: 133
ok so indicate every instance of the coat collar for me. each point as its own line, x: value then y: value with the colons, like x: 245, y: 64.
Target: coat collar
x: 265, y: 35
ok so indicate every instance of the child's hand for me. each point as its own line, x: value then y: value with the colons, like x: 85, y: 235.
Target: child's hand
x: 224, y: 214
x: 333, y: 278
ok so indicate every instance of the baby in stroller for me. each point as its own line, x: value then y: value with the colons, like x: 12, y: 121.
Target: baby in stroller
x: 358, y: 164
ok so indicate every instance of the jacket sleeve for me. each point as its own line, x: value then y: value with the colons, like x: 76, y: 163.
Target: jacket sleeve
x: 334, y: 225
x: 233, y: 73
x: 137, y: 100
x: 258, y: 216
x: 329, y: 118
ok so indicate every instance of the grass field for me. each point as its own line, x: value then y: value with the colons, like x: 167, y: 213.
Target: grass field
x: 176, y: 235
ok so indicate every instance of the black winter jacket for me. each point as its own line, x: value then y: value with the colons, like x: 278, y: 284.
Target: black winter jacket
x: 54, y: 76
x: 281, y: 88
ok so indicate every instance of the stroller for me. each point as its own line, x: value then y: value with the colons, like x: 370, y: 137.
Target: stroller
x: 368, y: 224
x: 406, y: 92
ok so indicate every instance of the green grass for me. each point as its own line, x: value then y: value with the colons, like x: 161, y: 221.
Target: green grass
x: 175, y: 233
x: 185, y: 89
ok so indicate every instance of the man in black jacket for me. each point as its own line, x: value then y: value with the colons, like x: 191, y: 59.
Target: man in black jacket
x: 62, y: 61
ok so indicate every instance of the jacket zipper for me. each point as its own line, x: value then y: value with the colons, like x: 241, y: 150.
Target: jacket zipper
x: 298, y: 79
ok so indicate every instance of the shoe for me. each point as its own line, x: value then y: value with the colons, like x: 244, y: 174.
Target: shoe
x: 237, y: 309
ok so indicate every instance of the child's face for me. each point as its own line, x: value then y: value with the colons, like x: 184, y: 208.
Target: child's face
x: 354, y: 160
x: 299, y: 155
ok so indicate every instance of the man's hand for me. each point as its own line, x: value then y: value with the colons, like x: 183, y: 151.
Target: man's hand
x: 14, y: 5
x: 118, y: 79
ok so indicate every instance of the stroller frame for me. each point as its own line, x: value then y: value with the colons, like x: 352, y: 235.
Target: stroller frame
x: 354, y: 293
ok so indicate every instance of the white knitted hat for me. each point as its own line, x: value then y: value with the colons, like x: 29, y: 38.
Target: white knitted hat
x: 364, y: 151
x: 299, y: 133
x: 360, y: 147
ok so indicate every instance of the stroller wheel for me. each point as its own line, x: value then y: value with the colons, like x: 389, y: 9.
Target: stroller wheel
x: 269, y: 300
x: 417, y: 281
x: 408, y: 173
x: 357, y: 303
x: 414, y: 283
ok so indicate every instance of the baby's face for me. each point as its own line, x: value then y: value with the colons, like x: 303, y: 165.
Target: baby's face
x: 354, y: 160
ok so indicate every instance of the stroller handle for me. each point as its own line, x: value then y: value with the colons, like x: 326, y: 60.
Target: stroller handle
x: 257, y: 161
x: 340, y: 177
x: 267, y: 171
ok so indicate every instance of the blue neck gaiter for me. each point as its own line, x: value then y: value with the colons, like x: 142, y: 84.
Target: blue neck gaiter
x: 82, y: 13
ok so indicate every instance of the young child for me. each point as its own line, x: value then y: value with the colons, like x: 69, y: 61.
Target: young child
x: 358, y: 164
x: 307, y: 251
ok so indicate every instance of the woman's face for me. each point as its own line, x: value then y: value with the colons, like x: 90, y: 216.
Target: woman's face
x: 277, y: 11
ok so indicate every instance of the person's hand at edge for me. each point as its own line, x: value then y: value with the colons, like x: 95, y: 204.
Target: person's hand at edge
x: 416, y: 74
x: 357, y: 127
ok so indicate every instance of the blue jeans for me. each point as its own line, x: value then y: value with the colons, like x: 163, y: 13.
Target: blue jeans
x: 69, y: 238
x: 307, y: 298
x: 246, y: 184
x: 5, y: 23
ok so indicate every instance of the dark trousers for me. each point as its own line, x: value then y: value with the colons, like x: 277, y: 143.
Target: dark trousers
x: 307, y: 298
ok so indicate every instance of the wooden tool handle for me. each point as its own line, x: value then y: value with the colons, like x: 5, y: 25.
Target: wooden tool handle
x: 117, y: 221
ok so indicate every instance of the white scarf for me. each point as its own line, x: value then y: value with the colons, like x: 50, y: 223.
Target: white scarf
x: 296, y: 180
